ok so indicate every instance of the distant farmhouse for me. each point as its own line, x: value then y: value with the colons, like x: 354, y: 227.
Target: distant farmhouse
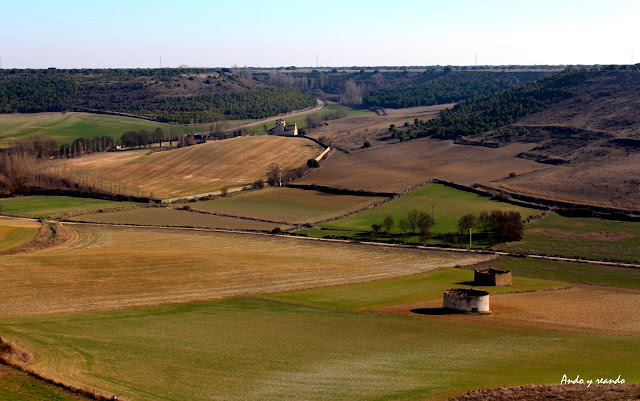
x: 283, y: 129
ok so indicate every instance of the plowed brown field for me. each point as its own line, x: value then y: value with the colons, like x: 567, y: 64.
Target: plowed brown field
x: 419, y: 160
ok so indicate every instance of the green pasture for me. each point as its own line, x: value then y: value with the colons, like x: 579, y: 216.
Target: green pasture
x: 570, y: 272
x: 54, y: 206
x: 450, y: 205
x: 66, y: 127
x: 376, y: 294
x: 11, y: 237
x: 289, y: 205
x: 581, y: 238
x: 252, y: 348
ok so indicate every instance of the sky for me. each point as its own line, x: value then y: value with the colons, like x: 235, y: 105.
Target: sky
x: 263, y: 33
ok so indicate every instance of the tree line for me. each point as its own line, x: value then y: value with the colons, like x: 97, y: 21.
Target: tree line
x: 495, y: 226
x: 449, y: 88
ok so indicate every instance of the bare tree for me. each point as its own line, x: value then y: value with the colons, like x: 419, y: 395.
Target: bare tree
x: 388, y: 224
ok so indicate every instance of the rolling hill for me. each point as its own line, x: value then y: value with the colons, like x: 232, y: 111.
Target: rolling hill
x: 186, y: 171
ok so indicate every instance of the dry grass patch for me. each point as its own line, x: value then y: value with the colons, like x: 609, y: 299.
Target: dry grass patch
x: 187, y: 171
x: 109, y: 268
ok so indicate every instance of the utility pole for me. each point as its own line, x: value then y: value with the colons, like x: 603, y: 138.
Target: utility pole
x: 432, y: 217
x: 401, y: 187
x: 470, y: 229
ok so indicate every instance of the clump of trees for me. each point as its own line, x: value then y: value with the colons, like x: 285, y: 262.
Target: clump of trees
x: 277, y: 176
x: 501, y: 226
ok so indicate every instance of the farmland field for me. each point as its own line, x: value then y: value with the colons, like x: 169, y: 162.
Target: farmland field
x: 263, y: 349
x: 374, y: 294
x: 581, y: 237
x: 14, y: 233
x: 186, y: 171
x: 177, y: 218
x: 569, y: 272
x: 54, y: 206
x: 65, y: 127
x: 609, y: 182
x: 450, y: 205
x: 416, y: 161
x: 113, y: 267
x: 290, y: 205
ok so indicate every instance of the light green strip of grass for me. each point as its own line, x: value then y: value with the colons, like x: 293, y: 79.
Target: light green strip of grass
x: 450, y: 205
x: 571, y: 272
x: 53, y: 206
x: 419, y: 287
x: 581, y: 237
x: 260, y: 349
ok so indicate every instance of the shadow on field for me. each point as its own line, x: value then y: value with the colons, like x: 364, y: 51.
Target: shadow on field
x: 436, y: 311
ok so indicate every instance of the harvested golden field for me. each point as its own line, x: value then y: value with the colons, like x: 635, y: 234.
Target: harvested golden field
x: 419, y: 160
x: 186, y: 171
x: 289, y: 205
x: 102, y: 268
x: 609, y: 183
x: 176, y: 218
x: 351, y: 133
x: 592, y: 309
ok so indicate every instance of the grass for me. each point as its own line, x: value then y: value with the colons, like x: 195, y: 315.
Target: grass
x: 54, y: 206
x: 18, y: 386
x: 111, y: 267
x: 186, y: 171
x: 11, y: 237
x: 268, y: 350
x: 581, y: 237
x: 450, y: 205
x: 176, y: 218
x: 66, y: 127
x: 294, y: 206
x: 570, y: 272
x: 375, y: 294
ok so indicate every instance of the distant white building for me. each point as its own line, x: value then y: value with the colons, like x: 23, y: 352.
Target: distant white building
x: 283, y: 129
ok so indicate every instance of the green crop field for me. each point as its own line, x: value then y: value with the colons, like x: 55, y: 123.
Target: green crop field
x: 450, y: 205
x: 177, y: 218
x: 54, y: 206
x: 570, y: 272
x: 250, y: 348
x: 11, y: 236
x: 66, y: 127
x: 423, y: 286
x: 581, y: 237
x: 289, y: 205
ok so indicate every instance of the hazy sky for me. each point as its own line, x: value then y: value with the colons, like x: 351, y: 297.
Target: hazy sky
x: 133, y: 33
